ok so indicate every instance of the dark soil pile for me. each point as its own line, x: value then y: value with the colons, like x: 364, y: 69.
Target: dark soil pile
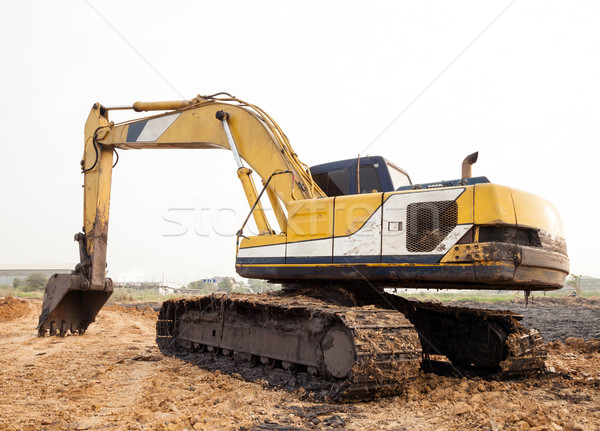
x: 556, y: 318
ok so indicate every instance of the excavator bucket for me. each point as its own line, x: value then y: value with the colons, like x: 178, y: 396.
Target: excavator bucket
x: 70, y: 305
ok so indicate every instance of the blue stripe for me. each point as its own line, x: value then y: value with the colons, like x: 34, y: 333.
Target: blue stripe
x: 401, y: 276
x: 417, y: 258
x: 311, y: 259
x: 260, y: 260
x: 412, y: 258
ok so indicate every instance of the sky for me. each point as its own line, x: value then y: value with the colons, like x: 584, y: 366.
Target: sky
x: 421, y: 83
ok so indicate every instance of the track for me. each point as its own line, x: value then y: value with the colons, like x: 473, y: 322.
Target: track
x: 491, y: 342
x: 364, y: 348
x: 356, y: 352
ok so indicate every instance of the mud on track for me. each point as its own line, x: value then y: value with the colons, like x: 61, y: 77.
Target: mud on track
x: 114, y: 377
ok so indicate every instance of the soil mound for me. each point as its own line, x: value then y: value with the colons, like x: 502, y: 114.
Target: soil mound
x: 135, y: 310
x: 13, y: 308
x: 575, y: 344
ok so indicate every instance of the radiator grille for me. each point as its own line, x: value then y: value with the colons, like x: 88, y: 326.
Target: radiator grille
x: 428, y: 223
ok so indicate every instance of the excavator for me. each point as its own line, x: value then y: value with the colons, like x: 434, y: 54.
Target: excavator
x: 348, y: 232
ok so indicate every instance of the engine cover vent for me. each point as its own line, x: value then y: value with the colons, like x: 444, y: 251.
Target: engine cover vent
x: 428, y: 223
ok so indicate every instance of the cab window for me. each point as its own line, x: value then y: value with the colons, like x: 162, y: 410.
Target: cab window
x: 369, y: 180
x: 399, y: 178
x: 334, y: 183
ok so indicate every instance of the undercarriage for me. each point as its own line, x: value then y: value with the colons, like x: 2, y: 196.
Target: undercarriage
x: 356, y: 343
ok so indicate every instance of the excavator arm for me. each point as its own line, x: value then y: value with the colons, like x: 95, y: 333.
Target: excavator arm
x: 71, y: 301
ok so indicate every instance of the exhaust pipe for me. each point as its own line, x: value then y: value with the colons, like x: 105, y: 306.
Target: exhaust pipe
x: 466, y: 164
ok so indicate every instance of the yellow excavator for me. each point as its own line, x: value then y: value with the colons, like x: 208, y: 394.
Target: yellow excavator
x: 347, y: 230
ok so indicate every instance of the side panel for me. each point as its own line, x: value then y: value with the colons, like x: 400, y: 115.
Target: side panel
x: 416, y: 227
x: 317, y: 251
x: 310, y: 231
x: 262, y: 249
x: 534, y: 211
x: 399, y: 232
x: 412, y: 240
x: 493, y: 205
x: 310, y: 219
x: 357, y: 228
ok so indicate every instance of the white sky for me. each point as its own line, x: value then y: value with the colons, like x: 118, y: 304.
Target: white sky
x: 334, y: 75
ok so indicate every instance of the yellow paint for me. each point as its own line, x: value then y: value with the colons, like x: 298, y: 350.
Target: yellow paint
x: 96, y: 192
x: 351, y: 212
x: 277, y: 209
x: 259, y: 140
x: 465, y: 206
x: 245, y: 176
x: 310, y: 219
x: 500, y: 205
x: 534, y: 211
x: 90, y: 186
x: 162, y: 106
x: 493, y: 205
x: 257, y: 241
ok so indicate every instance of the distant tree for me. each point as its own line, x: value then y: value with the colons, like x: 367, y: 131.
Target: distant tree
x: 35, y: 282
x: 205, y: 287
x: 240, y: 286
x: 574, y: 281
x: 17, y: 282
x: 198, y: 284
x: 225, y: 285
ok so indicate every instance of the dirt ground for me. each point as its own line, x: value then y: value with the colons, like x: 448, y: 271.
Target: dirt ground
x: 556, y: 318
x: 114, y: 377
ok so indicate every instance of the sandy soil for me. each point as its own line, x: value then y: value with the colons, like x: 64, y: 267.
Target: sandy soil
x: 114, y: 377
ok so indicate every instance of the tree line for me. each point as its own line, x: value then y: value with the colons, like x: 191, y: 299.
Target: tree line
x: 31, y: 283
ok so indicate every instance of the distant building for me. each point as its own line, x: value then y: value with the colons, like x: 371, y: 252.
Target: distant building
x: 218, y: 280
x: 9, y: 272
x: 168, y: 290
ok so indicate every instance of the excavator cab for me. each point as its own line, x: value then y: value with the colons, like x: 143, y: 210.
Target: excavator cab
x: 375, y: 174
x: 361, y: 175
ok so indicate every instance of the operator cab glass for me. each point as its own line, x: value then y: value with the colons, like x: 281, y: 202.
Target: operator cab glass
x: 399, y: 177
x: 334, y: 183
x: 375, y: 174
x: 368, y: 180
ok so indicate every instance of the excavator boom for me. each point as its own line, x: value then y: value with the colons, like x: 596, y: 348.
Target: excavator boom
x: 72, y: 301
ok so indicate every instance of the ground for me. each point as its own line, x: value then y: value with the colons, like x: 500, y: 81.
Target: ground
x: 114, y: 377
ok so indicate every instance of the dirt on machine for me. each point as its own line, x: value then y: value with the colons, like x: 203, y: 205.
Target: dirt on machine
x: 346, y: 232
